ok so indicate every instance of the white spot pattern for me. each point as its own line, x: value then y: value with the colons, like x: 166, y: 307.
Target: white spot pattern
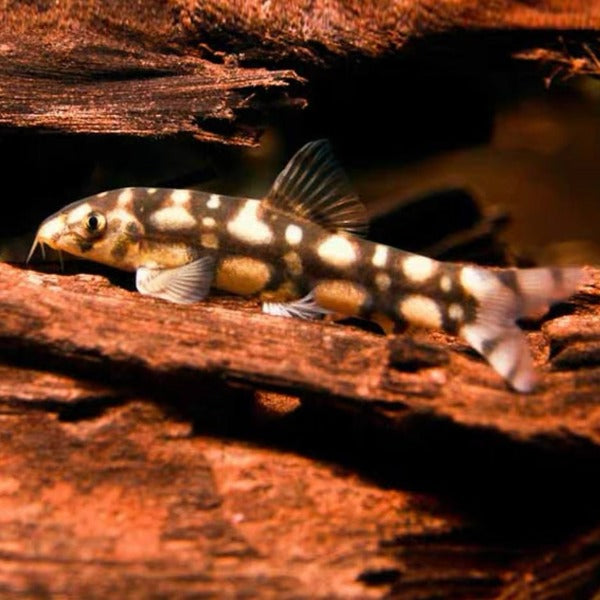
x: 456, y: 312
x: 445, y: 283
x: 180, y: 196
x: 125, y: 198
x: 119, y: 214
x: 51, y: 228
x: 418, y: 268
x: 172, y: 218
x: 247, y: 226
x: 478, y: 282
x: 421, y: 310
x: 383, y: 281
x: 214, y: 201
x: 78, y: 213
x: 337, y: 250
x: 380, y: 256
x: 293, y: 235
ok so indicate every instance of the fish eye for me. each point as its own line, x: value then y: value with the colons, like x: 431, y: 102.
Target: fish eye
x: 94, y: 223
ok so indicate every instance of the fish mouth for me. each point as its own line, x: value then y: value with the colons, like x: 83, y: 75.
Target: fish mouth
x: 42, y: 244
x: 48, y: 233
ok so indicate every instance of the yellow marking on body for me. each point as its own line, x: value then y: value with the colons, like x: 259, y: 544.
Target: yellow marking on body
x: 214, y: 202
x: 445, y: 283
x: 209, y: 240
x: 242, y: 275
x: 77, y: 214
x: 337, y: 250
x: 286, y: 292
x: 383, y: 282
x: 101, y: 194
x: 125, y: 198
x: 340, y: 295
x: 456, y: 312
x: 380, y: 256
x: 420, y: 310
x: 248, y: 227
x: 209, y: 222
x: 293, y: 235
x: 172, y: 218
x: 293, y: 263
x: 418, y: 268
x: 156, y: 255
x: 151, y: 191
x: 180, y: 196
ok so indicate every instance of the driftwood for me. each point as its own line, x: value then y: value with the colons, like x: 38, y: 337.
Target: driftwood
x: 150, y: 450
x: 212, y: 69
x: 130, y: 462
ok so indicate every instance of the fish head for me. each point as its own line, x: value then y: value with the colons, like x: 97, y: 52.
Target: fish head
x: 92, y: 228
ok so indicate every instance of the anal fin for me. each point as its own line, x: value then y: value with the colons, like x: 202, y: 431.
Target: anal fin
x: 304, y: 308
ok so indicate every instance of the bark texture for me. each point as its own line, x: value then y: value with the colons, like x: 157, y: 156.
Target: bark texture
x: 212, y: 69
x: 149, y: 450
x: 138, y: 457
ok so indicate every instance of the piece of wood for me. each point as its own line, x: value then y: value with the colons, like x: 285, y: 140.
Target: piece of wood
x: 128, y: 504
x: 212, y: 69
x: 431, y: 479
x: 159, y: 342
x: 121, y: 67
x: 319, y: 31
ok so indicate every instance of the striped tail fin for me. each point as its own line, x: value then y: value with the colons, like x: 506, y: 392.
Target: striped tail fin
x: 503, y: 296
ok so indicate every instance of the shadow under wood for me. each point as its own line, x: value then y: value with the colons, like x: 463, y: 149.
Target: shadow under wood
x: 533, y: 492
x: 529, y: 493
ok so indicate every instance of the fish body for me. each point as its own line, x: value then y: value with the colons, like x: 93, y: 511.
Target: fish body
x: 298, y: 250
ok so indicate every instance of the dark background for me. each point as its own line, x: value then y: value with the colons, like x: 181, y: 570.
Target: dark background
x: 442, y: 131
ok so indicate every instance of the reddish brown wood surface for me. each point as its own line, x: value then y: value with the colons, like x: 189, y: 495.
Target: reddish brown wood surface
x: 149, y: 450
x: 113, y: 329
x: 135, y: 460
x: 214, y: 69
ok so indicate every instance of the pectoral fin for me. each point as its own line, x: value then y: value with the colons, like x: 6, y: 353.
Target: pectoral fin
x: 183, y: 285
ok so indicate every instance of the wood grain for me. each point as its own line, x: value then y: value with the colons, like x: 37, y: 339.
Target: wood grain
x: 136, y: 461
x: 393, y: 375
x: 218, y: 70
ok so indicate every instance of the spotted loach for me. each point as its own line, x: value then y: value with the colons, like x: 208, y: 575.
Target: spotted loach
x: 299, y: 250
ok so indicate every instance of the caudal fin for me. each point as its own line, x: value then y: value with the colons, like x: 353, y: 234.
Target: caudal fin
x: 504, y: 296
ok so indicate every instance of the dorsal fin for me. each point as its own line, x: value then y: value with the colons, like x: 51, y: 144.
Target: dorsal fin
x: 313, y: 186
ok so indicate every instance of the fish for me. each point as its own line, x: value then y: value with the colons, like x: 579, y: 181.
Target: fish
x: 301, y: 250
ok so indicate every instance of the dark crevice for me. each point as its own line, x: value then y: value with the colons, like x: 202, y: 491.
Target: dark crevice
x: 524, y: 496
x: 490, y: 476
x: 378, y: 577
x: 72, y: 411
